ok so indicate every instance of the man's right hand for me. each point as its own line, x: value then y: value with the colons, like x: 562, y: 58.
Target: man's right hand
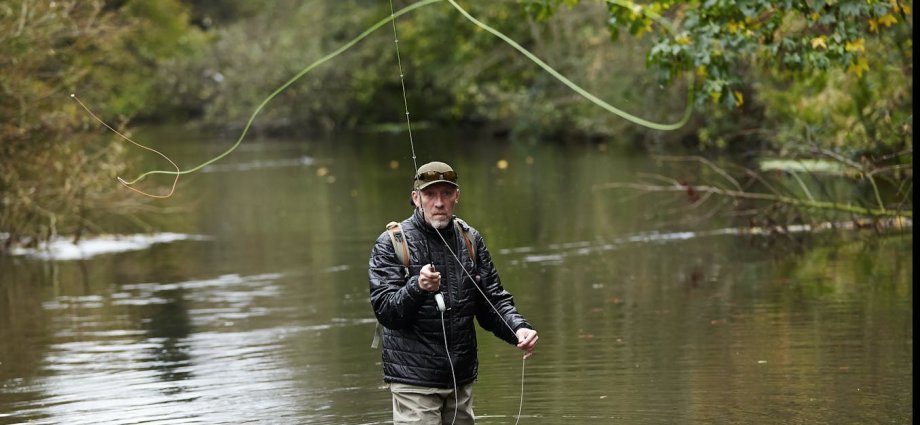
x: 429, y: 279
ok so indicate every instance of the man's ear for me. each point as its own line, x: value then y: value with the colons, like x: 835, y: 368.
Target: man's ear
x: 415, y: 199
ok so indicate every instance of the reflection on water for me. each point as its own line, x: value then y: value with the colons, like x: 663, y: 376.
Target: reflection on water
x: 259, y: 164
x: 642, y: 321
x: 555, y: 252
x: 194, y: 355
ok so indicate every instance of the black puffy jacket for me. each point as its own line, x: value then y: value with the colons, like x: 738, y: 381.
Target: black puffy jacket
x: 413, y: 339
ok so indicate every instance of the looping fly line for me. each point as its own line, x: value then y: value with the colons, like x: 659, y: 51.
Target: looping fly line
x: 550, y: 70
x: 121, y: 180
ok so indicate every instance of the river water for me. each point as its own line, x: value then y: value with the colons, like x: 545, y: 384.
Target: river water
x: 648, y: 312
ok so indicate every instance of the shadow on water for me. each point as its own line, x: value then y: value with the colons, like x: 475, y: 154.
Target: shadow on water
x: 643, y: 319
x: 170, y: 325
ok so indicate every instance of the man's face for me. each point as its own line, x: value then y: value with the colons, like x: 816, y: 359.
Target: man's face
x: 437, y: 201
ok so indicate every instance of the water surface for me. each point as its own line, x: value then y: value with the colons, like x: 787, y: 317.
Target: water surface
x: 645, y: 317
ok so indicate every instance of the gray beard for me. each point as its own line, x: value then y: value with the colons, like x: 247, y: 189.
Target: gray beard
x: 439, y: 224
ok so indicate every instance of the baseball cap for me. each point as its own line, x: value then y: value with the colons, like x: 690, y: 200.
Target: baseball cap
x: 435, y: 172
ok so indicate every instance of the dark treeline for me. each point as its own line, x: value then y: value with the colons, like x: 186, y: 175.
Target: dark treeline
x: 210, y: 64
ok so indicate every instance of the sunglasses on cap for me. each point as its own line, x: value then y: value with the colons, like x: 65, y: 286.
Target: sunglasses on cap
x: 430, y: 176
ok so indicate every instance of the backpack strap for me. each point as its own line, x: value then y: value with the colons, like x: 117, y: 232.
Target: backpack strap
x: 400, y: 246
x: 465, y: 231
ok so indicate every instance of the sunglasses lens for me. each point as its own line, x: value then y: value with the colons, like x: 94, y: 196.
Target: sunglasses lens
x: 430, y: 176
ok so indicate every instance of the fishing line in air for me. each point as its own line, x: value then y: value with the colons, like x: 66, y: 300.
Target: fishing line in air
x: 393, y: 15
x: 121, y: 180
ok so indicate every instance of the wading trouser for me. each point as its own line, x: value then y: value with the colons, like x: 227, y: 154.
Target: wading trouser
x: 431, y: 406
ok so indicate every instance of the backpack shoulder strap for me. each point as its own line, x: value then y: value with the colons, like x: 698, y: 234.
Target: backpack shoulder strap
x: 465, y: 231
x: 398, y: 239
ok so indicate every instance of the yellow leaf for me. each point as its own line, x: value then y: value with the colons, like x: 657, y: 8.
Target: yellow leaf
x: 739, y: 98
x: 858, y: 45
x: 635, y: 10
x: 646, y: 27
x: 819, y: 42
x: 895, y: 7
x: 733, y: 27
x: 701, y: 71
x: 888, y: 20
x: 683, y: 40
x: 873, y: 25
x: 859, y: 68
x: 715, y: 95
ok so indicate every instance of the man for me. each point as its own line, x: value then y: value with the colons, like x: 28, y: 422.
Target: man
x: 421, y: 364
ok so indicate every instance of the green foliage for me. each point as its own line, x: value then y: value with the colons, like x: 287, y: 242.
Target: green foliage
x: 542, y: 10
x: 790, y: 75
x: 743, y: 55
x: 719, y: 39
x: 869, y: 115
x: 250, y: 58
x: 487, y: 81
x: 793, y: 78
x: 454, y: 72
x: 54, y: 180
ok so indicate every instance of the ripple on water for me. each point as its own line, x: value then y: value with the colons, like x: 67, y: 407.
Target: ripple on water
x: 213, y: 364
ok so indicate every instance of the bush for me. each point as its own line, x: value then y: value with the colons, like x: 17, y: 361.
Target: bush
x: 56, y: 176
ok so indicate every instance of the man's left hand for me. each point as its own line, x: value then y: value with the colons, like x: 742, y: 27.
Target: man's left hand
x: 527, y: 340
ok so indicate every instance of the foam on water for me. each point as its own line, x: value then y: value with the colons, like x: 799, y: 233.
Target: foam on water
x: 65, y: 249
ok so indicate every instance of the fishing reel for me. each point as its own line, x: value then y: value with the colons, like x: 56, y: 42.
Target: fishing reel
x: 438, y: 298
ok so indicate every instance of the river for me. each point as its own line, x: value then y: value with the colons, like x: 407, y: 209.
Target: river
x: 648, y: 311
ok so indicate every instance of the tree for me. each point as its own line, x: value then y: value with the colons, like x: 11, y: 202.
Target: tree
x: 719, y: 40
x: 54, y: 179
x: 831, y: 80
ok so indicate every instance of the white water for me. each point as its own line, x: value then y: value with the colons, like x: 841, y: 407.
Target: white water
x: 64, y: 249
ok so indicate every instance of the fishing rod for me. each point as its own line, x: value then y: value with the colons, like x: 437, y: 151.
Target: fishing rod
x: 439, y: 298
